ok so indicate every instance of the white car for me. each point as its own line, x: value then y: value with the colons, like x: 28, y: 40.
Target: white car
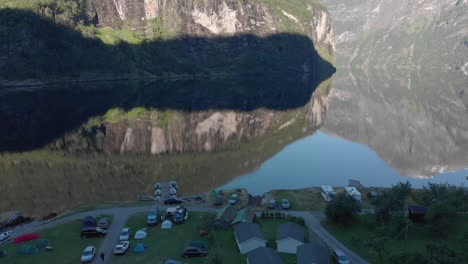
x: 121, y: 247
x: 285, y: 204
x: 5, y: 236
x: 125, y: 234
x: 88, y: 254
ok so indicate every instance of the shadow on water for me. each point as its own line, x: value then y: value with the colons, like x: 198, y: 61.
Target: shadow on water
x: 272, y: 70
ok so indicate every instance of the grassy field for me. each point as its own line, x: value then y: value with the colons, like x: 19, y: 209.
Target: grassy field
x: 65, y: 240
x: 163, y: 244
x: 355, y: 235
x: 269, y: 227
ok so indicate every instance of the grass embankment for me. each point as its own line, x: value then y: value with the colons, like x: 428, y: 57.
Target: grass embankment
x: 311, y: 199
x: 362, y: 229
x: 65, y: 240
x: 162, y: 244
x: 269, y: 227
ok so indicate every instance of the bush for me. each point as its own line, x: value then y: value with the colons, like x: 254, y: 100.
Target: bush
x: 342, y: 208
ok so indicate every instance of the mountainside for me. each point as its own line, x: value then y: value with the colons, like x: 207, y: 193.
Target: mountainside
x: 400, y: 33
x: 104, y: 38
x: 417, y: 122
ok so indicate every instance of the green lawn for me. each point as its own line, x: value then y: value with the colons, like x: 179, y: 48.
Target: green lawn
x: 163, y: 244
x: 359, y: 231
x: 269, y: 227
x: 65, y: 240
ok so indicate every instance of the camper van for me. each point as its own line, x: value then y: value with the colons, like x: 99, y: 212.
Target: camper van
x: 353, y: 192
x: 327, y: 193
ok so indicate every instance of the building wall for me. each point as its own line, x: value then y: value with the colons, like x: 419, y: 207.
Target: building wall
x: 288, y: 245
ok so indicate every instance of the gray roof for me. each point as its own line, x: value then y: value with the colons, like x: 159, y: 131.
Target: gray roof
x: 246, y: 231
x: 264, y: 255
x: 290, y: 230
x: 312, y: 253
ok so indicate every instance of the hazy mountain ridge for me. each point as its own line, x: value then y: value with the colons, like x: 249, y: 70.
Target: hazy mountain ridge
x: 400, y: 33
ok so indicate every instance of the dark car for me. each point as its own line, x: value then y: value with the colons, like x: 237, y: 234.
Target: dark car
x: 340, y: 257
x: 194, y: 252
x: 173, y: 201
x: 152, y: 218
x: 180, y: 215
x: 103, y: 222
x: 92, y: 232
x: 218, y: 200
x: 198, y: 244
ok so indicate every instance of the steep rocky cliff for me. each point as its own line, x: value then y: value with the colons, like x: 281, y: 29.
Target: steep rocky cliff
x: 207, y: 18
x: 86, y: 39
x: 400, y: 33
x: 416, y: 122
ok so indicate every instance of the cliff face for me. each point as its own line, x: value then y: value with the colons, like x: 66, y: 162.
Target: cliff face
x: 208, y: 18
x: 400, y: 33
x: 417, y: 123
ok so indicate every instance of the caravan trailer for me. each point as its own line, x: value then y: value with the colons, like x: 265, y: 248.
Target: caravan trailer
x: 327, y: 193
x: 353, y: 192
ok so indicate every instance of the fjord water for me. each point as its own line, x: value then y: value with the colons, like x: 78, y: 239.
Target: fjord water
x: 380, y: 129
x: 68, y: 146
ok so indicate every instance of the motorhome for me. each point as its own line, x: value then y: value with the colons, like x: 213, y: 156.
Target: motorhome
x: 353, y: 192
x: 327, y: 193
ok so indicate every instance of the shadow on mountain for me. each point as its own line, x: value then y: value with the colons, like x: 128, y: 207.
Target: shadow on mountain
x: 278, y: 72
x: 37, y: 48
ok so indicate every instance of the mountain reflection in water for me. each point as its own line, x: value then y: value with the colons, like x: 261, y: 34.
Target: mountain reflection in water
x: 101, y: 155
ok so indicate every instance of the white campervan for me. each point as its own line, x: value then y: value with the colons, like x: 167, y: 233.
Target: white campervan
x: 353, y: 192
x: 327, y: 193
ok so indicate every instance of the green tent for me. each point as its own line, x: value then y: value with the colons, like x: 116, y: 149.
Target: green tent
x: 28, y: 250
x: 213, y: 193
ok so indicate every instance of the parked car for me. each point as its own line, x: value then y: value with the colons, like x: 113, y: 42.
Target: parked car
x: 340, y: 257
x: 103, y: 222
x: 272, y: 204
x: 285, y: 204
x: 234, y: 198
x: 92, y: 232
x: 88, y: 254
x: 198, y: 244
x: 194, y: 252
x: 180, y: 215
x: 218, y: 200
x: 125, y: 234
x: 152, y: 218
x: 173, y: 201
x: 5, y: 236
x: 121, y: 247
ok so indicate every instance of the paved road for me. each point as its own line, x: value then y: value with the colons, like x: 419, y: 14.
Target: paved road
x: 121, y: 214
x: 312, y: 220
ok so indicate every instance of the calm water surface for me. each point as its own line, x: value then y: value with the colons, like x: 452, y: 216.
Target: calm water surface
x: 321, y: 159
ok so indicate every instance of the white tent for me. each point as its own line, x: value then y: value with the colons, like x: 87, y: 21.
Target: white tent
x: 140, y: 234
x: 157, y: 185
x: 157, y: 192
x: 166, y: 224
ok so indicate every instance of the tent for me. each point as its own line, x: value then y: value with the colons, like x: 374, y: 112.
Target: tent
x: 140, y: 234
x: 172, y: 191
x: 157, y: 185
x: 42, y: 243
x: 166, y: 224
x: 157, y: 192
x: 25, y: 237
x: 139, y: 248
x: 28, y: 250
